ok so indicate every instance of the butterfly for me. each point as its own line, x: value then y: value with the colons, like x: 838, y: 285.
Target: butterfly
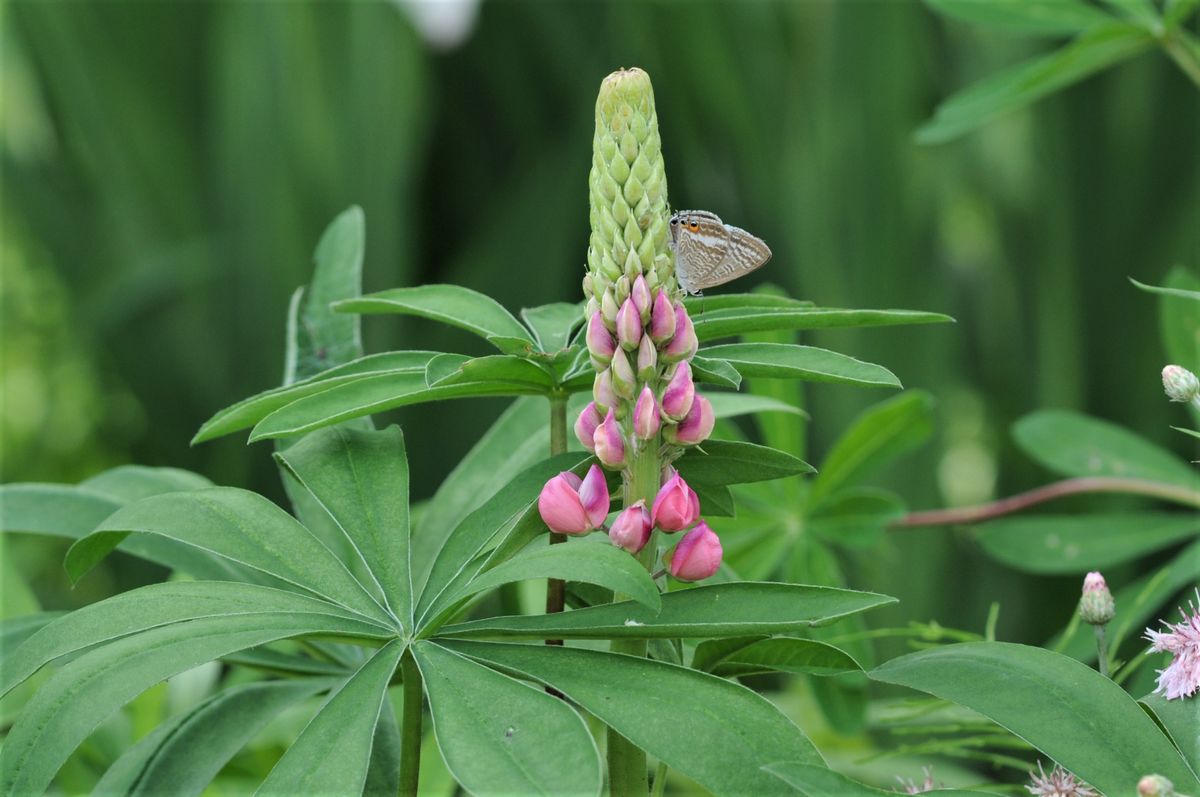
x: 709, y: 252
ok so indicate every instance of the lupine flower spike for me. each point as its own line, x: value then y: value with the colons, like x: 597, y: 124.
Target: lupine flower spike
x: 1181, y: 678
x: 570, y: 505
x: 1059, y: 783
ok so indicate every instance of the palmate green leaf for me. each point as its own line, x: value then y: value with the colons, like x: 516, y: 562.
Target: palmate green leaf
x: 1077, y: 543
x: 1182, y: 720
x: 518, y: 439
x: 361, y: 479
x: 68, y: 707
x: 383, y: 771
x: 333, y: 752
x: 499, y: 736
x: 132, y: 482
x: 719, y: 462
x: 278, y: 662
x: 709, y: 371
x: 855, y: 518
x: 367, y: 395
x: 600, y: 563
x: 505, y: 369
x: 1176, y: 11
x: 15, y: 630
x: 698, y: 305
x: 714, y: 731
x: 1094, y: 50
x: 716, y: 499
x: 726, y: 323
x: 63, y: 510
x: 457, y: 562
x: 790, y: 361
x: 1034, y: 17
x: 450, y: 304
x: 237, y: 525
x: 317, y: 337
x: 1137, y: 604
x: 1074, y: 444
x: 1064, y: 708
x: 731, y: 405
x: 878, y: 436
x: 718, y: 610
x: 158, y: 605
x: 248, y: 412
x: 1141, y: 12
x: 181, y: 756
x: 552, y: 324
x: 817, y: 781
x: 757, y: 655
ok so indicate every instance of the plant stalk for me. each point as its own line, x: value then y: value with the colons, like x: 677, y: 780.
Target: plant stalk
x: 410, y: 726
x: 1102, y: 649
x: 556, y: 588
x: 1049, y: 492
x: 660, y: 780
x: 627, y: 775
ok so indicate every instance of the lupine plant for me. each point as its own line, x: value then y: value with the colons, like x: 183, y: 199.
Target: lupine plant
x: 358, y: 595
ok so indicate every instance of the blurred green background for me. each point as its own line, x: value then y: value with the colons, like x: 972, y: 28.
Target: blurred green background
x: 168, y: 168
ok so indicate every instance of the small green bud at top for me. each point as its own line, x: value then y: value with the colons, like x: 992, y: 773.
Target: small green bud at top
x: 1096, y: 605
x: 1180, y: 384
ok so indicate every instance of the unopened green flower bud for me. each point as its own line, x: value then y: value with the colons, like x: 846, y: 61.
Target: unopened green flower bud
x: 1180, y: 384
x: 1096, y: 605
x: 1156, y: 786
x: 627, y: 186
x: 609, y: 307
x: 623, y: 286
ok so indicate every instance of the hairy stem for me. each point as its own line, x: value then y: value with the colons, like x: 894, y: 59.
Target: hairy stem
x: 410, y: 727
x: 1101, y: 649
x: 627, y: 776
x: 556, y: 587
x: 1049, y: 492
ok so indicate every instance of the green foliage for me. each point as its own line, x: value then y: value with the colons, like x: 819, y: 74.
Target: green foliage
x: 1065, y: 709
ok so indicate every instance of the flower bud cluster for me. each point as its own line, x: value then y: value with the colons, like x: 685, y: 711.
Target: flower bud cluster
x: 645, y: 409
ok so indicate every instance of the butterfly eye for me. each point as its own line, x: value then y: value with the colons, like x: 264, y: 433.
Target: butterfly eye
x: 693, y: 226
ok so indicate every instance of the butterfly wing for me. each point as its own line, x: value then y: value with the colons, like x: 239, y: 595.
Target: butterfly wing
x: 698, y: 254
x: 744, y: 253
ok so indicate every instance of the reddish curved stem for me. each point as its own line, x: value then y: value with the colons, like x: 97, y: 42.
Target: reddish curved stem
x: 1049, y: 492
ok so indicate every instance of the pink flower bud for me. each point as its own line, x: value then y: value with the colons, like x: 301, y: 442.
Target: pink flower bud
x: 1096, y: 604
x: 662, y: 319
x: 676, y: 506
x: 696, y: 427
x: 647, y: 359
x: 599, y: 342
x: 570, y: 505
x: 645, y: 415
x: 677, y: 398
x: 624, y: 381
x: 684, y: 344
x: 585, y: 425
x: 602, y: 391
x: 697, y: 556
x: 610, y: 445
x: 1094, y: 582
x: 641, y: 298
x: 629, y: 326
x: 631, y: 530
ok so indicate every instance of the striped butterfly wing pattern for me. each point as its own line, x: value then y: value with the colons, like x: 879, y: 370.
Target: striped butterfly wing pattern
x: 709, y: 252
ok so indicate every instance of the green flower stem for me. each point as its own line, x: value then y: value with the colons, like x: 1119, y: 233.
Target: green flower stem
x: 410, y: 726
x: 1049, y: 492
x: 627, y: 774
x: 660, y: 780
x: 1101, y: 649
x: 556, y: 587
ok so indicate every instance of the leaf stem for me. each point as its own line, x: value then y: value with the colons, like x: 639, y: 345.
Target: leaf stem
x: 1185, y: 57
x: 1049, y: 492
x: 410, y: 726
x: 556, y: 588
